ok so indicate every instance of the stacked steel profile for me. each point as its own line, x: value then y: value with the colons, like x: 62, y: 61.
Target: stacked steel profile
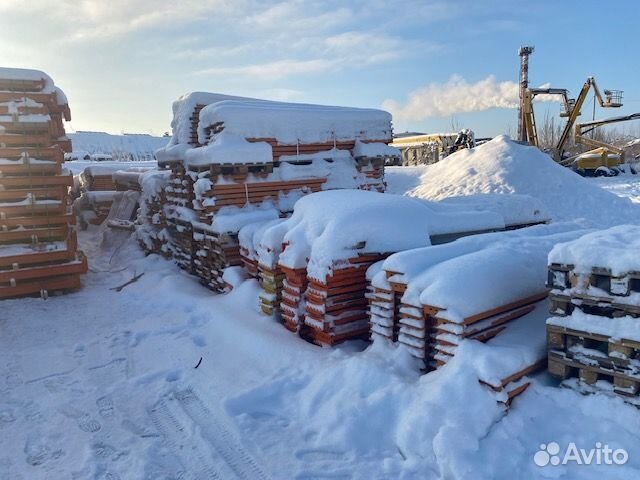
x: 593, y: 338
x: 96, y: 195
x: 413, y: 300
x: 208, y: 201
x: 38, y: 244
x: 151, y: 229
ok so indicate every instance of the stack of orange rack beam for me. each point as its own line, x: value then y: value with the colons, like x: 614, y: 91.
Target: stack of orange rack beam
x: 38, y: 244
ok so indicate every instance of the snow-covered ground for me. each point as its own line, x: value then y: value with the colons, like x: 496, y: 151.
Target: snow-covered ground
x: 102, y: 384
x: 624, y: 185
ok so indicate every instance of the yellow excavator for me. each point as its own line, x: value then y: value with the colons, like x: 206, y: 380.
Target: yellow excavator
x: 587, y: 163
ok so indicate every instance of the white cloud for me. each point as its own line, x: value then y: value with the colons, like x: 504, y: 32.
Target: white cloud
x: 457, y: 96
x: 100, y: 19
x: 273, y: 70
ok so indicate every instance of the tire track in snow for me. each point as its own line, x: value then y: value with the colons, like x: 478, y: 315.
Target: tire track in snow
x: 219, y: 437
x: 177, y: 439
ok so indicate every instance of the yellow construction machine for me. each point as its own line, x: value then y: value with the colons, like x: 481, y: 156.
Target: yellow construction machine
x: 587, y: 163
x: 603, y: 159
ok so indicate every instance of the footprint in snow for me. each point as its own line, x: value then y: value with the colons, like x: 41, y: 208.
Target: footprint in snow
x: 88, y: 424
x: 7, y: 416
x: 38, y: 452
x: 105, y: 406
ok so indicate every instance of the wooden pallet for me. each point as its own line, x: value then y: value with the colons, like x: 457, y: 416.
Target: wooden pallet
x: 563, y: 367
x: 561, y: 304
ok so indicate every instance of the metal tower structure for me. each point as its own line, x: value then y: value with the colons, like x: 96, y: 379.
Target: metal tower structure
x: 524, y: 53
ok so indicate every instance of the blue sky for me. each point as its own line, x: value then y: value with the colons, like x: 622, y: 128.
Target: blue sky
x: 432, y: 63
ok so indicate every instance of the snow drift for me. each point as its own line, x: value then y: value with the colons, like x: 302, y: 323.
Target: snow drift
x: 502, y: 166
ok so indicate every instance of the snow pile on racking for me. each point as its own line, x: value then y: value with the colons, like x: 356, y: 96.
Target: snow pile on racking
x: 432, y: 299
x: 235, y: 161
x: 334, y: 226
x: 189, y: 105
x: 320, y: 254
x: 293, y: 123
x: 151, y: 228
x: 615, y: 249
x: 502, y: 166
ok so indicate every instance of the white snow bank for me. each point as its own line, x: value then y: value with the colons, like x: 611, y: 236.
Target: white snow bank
x: 294, y: 123
x: 502, y: 166
x: 616, y: 249
x: 374, y: 405
x: 229, y: 148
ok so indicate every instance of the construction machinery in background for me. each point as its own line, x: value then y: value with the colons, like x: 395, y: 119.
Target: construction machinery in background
x: 425, y: 149
x: 602, y: 158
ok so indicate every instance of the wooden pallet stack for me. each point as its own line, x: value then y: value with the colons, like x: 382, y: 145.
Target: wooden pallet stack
x: 593, y: 338
x: 38, y: 245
